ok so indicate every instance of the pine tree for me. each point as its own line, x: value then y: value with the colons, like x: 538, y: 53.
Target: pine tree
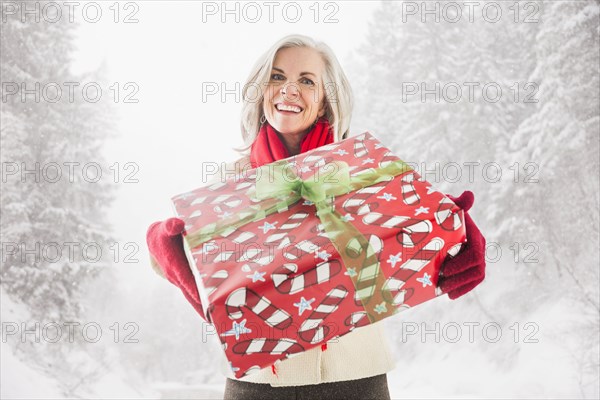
x: 39, y: 212
x: 52, y: 228
x: 560, y: 136
x: 402, y: 52
x: 544, y: 212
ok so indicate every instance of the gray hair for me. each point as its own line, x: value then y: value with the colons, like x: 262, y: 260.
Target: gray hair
x: 338, y: 93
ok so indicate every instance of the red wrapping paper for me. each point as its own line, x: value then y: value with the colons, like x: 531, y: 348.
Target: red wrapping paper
x: 277, y: 286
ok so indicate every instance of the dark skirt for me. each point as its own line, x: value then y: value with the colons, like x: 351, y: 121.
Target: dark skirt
x: 374, y: 387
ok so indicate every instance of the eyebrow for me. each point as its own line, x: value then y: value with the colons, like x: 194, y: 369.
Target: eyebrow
x: 301, y: 73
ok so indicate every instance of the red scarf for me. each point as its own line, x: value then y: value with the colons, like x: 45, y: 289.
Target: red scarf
x: 268, y: 147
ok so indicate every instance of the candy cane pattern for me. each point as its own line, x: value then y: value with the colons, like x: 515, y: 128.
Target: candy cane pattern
x: 358, y: 202
x: 300, y: 249
x: 384, y: 221
x: 366, y: 281
x: 318, y: 158
x: 209, y: 311
x: 271, y: 346
x: 259, y: 305
x: 215, y: 280
x: 211, y: 253
x: 412, y: 231
x: 452, y: 251
x: 409, y: 193
x: 314, y: 276
x: 424, y: 255
x: 245, y: 185
x: 250, y: 177
x: 311, y: 330
x: 217, y: 185
x: 410, y: 267
x: 250, y: 252
x: 360, y: 149
x: 281, y: 236
x: 448, y: 220
x: 356, y: 320
x: 227, y: 205
x: 229, y: 200
x: 386, y: 159
x: 357, y: 171
x: 221, y: 203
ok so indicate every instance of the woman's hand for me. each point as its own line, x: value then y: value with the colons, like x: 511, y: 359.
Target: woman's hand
x: 168, y: 259
x: 461, y: 273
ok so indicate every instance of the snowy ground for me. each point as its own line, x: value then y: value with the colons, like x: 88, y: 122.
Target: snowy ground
x: 424, y: 368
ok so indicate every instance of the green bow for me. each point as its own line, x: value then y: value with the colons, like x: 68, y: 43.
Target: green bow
x: 279, y: 188
x: 276, y: 180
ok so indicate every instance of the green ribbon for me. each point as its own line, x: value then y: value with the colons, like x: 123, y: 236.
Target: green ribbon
x: 278, y: 187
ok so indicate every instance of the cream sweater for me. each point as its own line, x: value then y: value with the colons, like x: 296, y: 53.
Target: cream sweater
x: 361, y: 353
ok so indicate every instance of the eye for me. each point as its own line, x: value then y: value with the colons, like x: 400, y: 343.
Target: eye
x: 277, y: 77
x: 307, y: 81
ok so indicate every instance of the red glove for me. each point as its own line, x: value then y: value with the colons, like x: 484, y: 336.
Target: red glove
x: 461, y: 273
x: 165, y: 243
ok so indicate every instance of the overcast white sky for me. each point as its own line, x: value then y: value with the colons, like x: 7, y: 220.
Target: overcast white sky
x: 169, y: 53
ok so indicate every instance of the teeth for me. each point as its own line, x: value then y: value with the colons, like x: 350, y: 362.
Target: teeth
x: 283, y: 107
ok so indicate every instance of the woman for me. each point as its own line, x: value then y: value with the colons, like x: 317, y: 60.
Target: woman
x: 305, y: 101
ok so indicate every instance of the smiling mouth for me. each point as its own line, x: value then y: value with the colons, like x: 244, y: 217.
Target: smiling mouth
x: 287, y: 108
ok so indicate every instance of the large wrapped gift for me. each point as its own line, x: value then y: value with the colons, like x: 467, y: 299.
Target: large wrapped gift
x: 298, y: 252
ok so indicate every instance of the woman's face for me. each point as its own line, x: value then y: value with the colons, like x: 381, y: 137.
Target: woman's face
x: 295, y: 97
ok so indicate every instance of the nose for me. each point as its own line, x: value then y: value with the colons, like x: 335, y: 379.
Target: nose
x: 290, y: 90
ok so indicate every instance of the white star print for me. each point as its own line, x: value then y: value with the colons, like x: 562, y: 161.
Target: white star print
x: 387, y: 197
x: 421, y: 210
x: 394, y: 259
x: 430, y: 189
x: 368, y: 161
x: 237, y: 330
x: 351, y: 272
x: 267, y: 227
x: 340, y: 152
x: 323, y: 255
x: 257, y: 276
x: 304, y: 305
x: 380, y: 308
x: 225, y: 214
x: 425, y: 280
x: 347, y: 218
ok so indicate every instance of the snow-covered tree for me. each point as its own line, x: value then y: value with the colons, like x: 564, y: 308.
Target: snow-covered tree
x: 53, y: 203
x: 560, y: 136
x: 543, y: 133
x: 39, y: 211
